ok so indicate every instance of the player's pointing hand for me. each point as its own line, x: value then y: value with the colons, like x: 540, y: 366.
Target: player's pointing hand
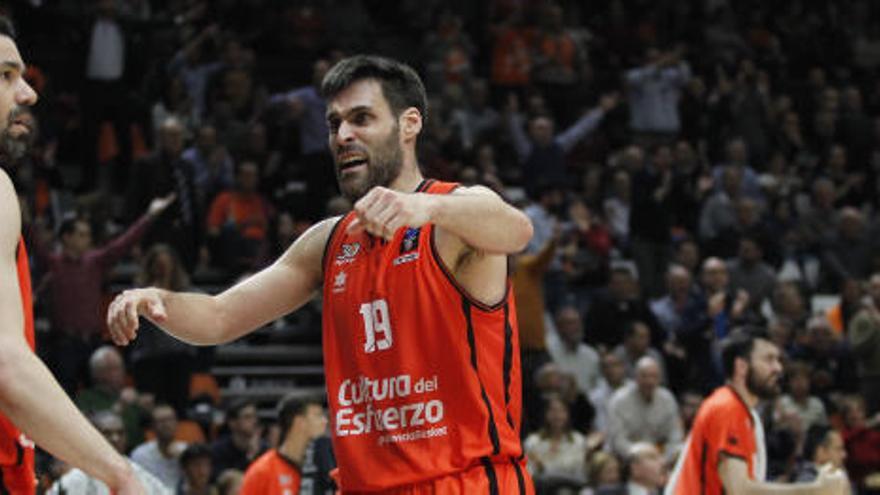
x: 122, y: 315
x: 382, y: 211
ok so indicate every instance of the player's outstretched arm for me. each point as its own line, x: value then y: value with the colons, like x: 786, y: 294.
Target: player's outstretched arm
x: 203, y: 319
x: 734, y: 475
x: 29, y: 395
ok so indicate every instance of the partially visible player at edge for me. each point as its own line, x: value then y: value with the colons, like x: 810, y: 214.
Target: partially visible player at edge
x: 725, y: 451
x: 421, y: 347
x: 31, y: 400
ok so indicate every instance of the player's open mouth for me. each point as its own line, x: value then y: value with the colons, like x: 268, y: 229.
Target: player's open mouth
x: 348, y: 162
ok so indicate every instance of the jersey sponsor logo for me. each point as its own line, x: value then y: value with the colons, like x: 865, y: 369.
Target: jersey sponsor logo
x: 361, y: 410
x: 405, y: 258
x: 348, y: 254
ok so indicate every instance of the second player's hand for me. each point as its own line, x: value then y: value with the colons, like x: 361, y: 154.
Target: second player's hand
x: 122, y: 315
x: 382, y: 211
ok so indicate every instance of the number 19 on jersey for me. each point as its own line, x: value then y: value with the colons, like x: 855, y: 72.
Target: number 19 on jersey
x: 377, y: 326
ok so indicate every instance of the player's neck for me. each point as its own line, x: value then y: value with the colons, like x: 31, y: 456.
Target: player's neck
x: 740, y: 388
x: 294, y: 448
x: 408, y: 179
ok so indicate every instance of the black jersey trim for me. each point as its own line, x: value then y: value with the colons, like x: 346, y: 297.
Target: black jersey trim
x: 520, y: 478
x: 493, y: 428
x: 461, y: 290
x: 491, y: 475
x: 508, y: 361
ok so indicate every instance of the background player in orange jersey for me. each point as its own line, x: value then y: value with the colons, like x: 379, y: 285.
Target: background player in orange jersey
x: 420, y: 340
x: 279, y: 471
x: 31, y: 400
x: 725, y: 452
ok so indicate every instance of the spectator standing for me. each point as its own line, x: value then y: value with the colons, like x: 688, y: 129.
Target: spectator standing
x: 654, y: 91
x: 76, y: 277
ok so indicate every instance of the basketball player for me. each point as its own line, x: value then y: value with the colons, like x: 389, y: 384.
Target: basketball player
x: 31, y: 400
x: 279, y: 471
x: 420, y: 340
x: 725, y: 452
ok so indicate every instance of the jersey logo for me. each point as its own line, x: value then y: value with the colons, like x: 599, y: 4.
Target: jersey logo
x: 408, y: 247
x: 26, y: 442
x: 410, y: 240
x: 339, y: 282
x: 348, y: 254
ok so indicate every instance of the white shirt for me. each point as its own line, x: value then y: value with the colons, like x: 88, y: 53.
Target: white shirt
x: 565, y: 459
x: 106, y: 52
x: 582, y: 362
x: 166, y: 469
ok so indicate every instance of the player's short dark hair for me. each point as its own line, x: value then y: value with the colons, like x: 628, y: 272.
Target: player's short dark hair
x: 292, y: 406
x: 817, y: 436
x: 234, y: 409
x: 194, y: 451
x: 739, y: 344
x: 401, y: 85
x: 6, y: 27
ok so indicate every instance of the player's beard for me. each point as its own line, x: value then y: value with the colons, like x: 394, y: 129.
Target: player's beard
x: 14, y: 147
x: 383, y: 166
x: 763, y: 387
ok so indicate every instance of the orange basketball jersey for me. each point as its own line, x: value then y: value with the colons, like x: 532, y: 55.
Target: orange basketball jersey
x: 423, y: 381
x: 271, y: 474
x: 724, y: 425
x: 16, y: 451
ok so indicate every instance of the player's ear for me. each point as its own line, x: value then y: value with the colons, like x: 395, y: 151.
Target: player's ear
x: 410, y: 123
x: 740, y: 367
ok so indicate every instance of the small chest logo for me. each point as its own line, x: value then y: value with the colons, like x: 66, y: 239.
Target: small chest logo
x: 408, y: 247
x: 348, y: 254
x: 410, y: 240
x: 339, y: 282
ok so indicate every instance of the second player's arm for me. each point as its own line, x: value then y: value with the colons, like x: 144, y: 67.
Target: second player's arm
x: 203, y: 319
x: 734, y: 475
x: 29, y: 395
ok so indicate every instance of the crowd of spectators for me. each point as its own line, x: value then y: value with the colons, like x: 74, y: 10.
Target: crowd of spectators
x: 688, y: 167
